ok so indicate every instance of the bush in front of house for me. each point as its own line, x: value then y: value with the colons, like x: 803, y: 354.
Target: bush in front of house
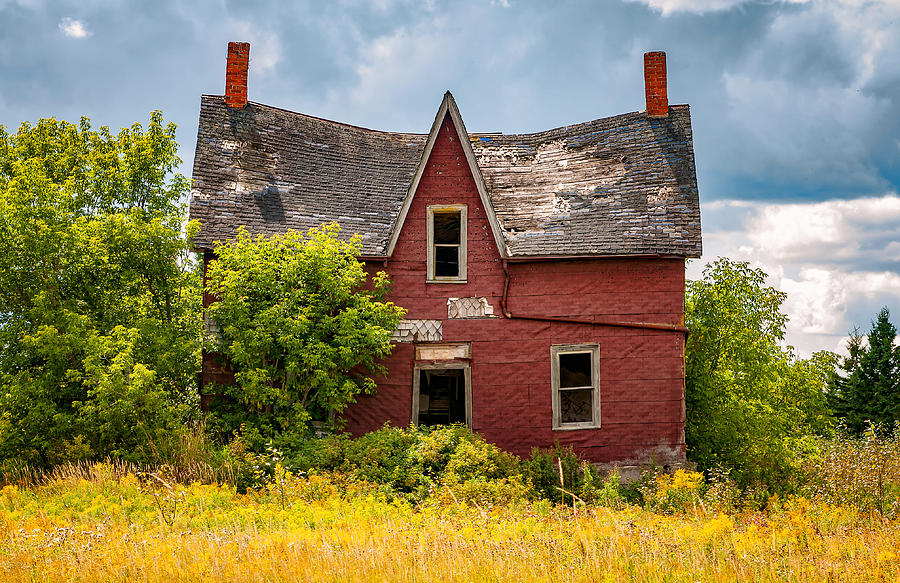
x: 419, y: 463
x: 303, y: 326
x: 559, y: 474
x: 445, y: 463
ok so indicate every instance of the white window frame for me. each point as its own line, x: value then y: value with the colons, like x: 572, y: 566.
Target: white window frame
x: 467, y: 377
x: 431, y: 209
x: 594, y: 351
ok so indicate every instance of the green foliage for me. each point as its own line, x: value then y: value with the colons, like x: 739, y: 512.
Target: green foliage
x: 868, y: 391
x: 443, y: 464
x: 420, y: 463
x: 380, y: 457
x: 674, y: 493
x: 750, y: 402
x: 300, y: 326
x: 99, y: 301
x: 609, y: 493
x: 558, y: 473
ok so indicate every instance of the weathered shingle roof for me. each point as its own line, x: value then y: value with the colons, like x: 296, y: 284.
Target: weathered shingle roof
x: 622, y: 185
x: 619, y: 185
x: 271, y: 170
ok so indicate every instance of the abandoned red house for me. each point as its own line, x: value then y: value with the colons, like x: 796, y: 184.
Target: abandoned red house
x: 543, y: 273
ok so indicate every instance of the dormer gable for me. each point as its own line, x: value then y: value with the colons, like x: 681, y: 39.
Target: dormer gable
x: 448, y: 109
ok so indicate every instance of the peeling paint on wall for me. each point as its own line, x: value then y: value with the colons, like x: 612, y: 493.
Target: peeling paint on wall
x: 211, y: 329
x: 469, y: 308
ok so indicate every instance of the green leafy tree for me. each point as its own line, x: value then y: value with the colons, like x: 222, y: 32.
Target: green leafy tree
x: 749, y: 401
x: 869, y: 388
x: 302, y: 326
x: 99, y: 301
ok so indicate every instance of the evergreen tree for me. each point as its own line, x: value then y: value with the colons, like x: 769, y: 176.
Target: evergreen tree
x: 843, y: 383
x: 869, y: 389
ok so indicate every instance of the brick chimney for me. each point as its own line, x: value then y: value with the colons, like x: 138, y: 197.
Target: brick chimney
x: 236, y: 74
x: 655, y: 84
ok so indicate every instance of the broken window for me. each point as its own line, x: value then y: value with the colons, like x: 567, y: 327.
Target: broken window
x: 447, y: 243
x: 441, y: 395
x: 576, y: 387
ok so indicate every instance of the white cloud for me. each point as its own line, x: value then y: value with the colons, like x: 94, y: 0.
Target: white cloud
x: 668, y: 7
x: 398, y: 62
x: 838, y: 261
x: 73, y: 28
x: 394, y: 70
x: 29, y: 4
x: 265, y: 51
x: 804, y: 231
x: 401, y: 74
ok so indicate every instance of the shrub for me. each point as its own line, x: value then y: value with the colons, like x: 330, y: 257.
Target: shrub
x: 484, y: 491
x: 303, y: 326
x: 558, y: 474
x: 418, y: 462
x: 610, y: 492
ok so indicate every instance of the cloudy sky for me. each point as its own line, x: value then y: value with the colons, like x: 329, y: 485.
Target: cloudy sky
x: 795, y: 105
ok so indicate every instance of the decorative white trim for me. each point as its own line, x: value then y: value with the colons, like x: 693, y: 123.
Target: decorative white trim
x: 444, y: 351
x: 448, y: 105
x: 555, y: 351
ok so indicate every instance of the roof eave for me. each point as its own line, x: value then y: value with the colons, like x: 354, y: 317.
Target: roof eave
x: 537, y: 258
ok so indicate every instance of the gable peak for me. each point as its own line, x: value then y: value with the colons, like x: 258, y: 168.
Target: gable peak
x: 449, y: 109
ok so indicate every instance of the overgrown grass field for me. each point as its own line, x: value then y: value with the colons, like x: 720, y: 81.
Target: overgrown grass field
x: 103, y: 523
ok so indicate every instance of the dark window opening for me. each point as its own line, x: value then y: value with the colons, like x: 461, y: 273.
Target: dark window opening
x: 575, y: 381
x: 575, y: 370
x: 446, y: 260
x: 442, y: 396
x: 576, y: 406
x: 446, y: 227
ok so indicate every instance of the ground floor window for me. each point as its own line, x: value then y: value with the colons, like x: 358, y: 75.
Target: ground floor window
x: 442, y: 394
x: 575, y: 381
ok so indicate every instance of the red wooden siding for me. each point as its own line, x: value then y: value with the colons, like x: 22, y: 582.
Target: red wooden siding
x: 641, y: 371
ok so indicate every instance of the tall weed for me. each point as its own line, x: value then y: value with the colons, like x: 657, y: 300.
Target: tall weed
x: 559, y: 474
x: 862, y: 472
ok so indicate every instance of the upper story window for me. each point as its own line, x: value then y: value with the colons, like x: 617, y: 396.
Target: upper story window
x: 447, y: 243
x: 576, y: 386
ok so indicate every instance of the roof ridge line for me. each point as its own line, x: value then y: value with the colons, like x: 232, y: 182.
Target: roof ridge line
x: 418, y: 134
x: 572, y: 125
x: 334, y: 121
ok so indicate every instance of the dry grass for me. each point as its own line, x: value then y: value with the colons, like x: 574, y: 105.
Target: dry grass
x: 107, y: 525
